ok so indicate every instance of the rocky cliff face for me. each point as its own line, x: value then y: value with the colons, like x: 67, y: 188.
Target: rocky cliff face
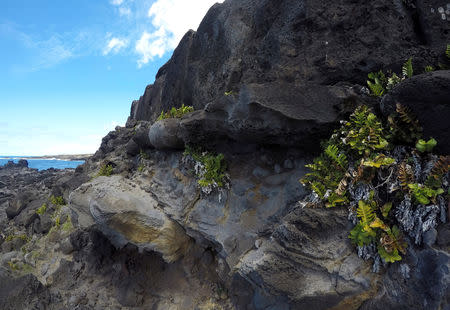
x: 268, y: 80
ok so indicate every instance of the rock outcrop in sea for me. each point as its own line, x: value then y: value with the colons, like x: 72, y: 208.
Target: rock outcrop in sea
x: 132, y: 228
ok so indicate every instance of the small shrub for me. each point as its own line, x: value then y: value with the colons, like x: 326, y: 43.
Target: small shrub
x: 42, y: 209
x: 57, y: 201
x: 209, y: 168
x: 105, y: 170
x: 67, y: 226
x: 379, y: 82
x: 176, y: 113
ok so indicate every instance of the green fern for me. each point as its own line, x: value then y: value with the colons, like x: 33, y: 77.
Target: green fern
x: 333, y: 152
x: 176, y: 113
x: 364, y: 132
x: 361, y: 237
x: 429, y: 68
x: 407, y: 69
x: 393, y: 80
x: 377, y: 83
x: 378, y: 161
x: 447, y: 51
x: 424, y: 194
x: 365, y: 213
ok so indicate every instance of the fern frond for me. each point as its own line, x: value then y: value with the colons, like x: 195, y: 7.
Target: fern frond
x: 332, y: 151
x: 407, y: 69
x: 440, y: 168
x: 447, y: 51
x: 365, y: 213
x: 405, y: 175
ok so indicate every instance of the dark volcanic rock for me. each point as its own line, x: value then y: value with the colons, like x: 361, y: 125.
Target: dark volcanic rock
x: 295, y: 43
x: 20, y: 202
x: 272, y: 113
x: 428, y: 96
x: 25, y: 292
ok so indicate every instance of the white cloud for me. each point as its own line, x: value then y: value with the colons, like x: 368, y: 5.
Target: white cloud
x: 123, y: 11
x: 115, y: 45
x: 172, y: 19
x: 116, y: 2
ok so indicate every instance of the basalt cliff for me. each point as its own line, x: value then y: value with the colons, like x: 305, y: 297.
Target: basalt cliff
x: 133, y: 228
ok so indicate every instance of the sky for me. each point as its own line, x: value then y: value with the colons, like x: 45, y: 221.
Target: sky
x: 69, y: 70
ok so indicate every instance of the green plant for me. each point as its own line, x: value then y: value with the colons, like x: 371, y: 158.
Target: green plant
x: 142, y: 154
x: 407, y: 69
x: 141, y: 167
x: 42, y: 209
x: 393, y: 80
x: 13, y: 266
x: 212, y: 168
x: 423, y: 194
x: 361, y: 237
x: 447, y: 51
x: 327, y: 172
x: 229, y: 93
x: 105, y: 170
x: 429, y: 68
x: 378, y: 161
x: 57, y: 201
x: 22, y: 237
x: 403, y: 126
x: 67, y: 226
x: 440, y: 168
x: 377, y: 83
x: 426, y: 146
x: 176, y: 113
x: 364, y: 133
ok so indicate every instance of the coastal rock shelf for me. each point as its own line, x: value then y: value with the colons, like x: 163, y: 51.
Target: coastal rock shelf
x: 202, y: 211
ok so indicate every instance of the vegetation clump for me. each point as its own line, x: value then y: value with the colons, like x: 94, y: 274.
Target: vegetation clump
x: 379, y: 82
x: 210, y: 169
x: 42, y: 209
x: 176, y: 113
x: 380, y: 176
x: 105, y: 170
x: 57, y: 201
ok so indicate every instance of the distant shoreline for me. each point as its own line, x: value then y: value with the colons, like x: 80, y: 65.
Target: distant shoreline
x: 54, y: 157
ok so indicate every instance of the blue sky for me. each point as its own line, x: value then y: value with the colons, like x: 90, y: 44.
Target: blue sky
x: 69, y: 70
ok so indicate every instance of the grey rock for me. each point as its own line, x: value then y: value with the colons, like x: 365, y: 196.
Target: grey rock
x: 429, y: 237
x: 125, y: 213
x: 19, y: 203
x: 164, y: 134
x: 20, y: 293
x: 273, y: 113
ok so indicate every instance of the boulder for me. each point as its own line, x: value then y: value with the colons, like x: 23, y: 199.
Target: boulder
x: 28, y: 215
x: 427, y: 95
x: 19, y: 203
x: 127, y: 214
x: 165, y: 134
x: 25, y: 292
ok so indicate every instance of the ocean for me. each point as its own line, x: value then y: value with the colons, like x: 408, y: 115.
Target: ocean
x: 43, y: 164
